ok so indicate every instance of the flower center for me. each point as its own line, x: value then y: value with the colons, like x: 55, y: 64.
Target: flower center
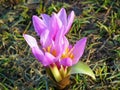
x: 48, y: 49
x: 67, y: 53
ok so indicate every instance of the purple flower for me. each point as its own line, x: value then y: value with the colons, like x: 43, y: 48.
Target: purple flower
x: 50, y: 28
x: 54, y: 47
x: 68, y: 55
x: 53, y: 23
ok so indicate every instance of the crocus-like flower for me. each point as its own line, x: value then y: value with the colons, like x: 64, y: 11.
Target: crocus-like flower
x: 54, y: 51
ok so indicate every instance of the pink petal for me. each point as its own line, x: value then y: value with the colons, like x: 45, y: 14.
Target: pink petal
x: 55, y: 25
x: 46, y: 18
x: 78, y: 49
x: 34, y: 46
x: 49, y: 59
x: 39, y: 25
x: 63, y: 16
x: 39, y: 55
x: 66, y: 62
x: 66, y: 43
x: 70, y: 21
x: 59, y: 41
x: 30, y: 40
x: 45, y: 39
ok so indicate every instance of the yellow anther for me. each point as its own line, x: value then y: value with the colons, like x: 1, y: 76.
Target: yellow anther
x: 48, y: 48
x: 71, y: 56
x: 67, y: 53
x: 67, y: 50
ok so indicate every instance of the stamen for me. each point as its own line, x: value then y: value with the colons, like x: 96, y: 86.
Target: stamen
x: 68, y: 53
x: 48, y: 48
x: 71, y: 56
x: 54, y: 52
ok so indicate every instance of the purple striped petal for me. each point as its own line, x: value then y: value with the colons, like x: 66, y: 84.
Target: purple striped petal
x: 78, y: 49
x: 66, y: 62
x: 70, y: 21
x: 63, y: 16
x: 45, y: 39
x: 30, y: 40
x: 65, y: 43
x: 59, y: 41
x: 39, y: 25
x: 34, y: 46
x: 46, y: 19
x: 55, y: 25
x: 38, y: 54
x: 49, y: 59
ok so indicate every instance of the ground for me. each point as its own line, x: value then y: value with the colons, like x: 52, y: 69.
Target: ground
x: 98, y: 20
